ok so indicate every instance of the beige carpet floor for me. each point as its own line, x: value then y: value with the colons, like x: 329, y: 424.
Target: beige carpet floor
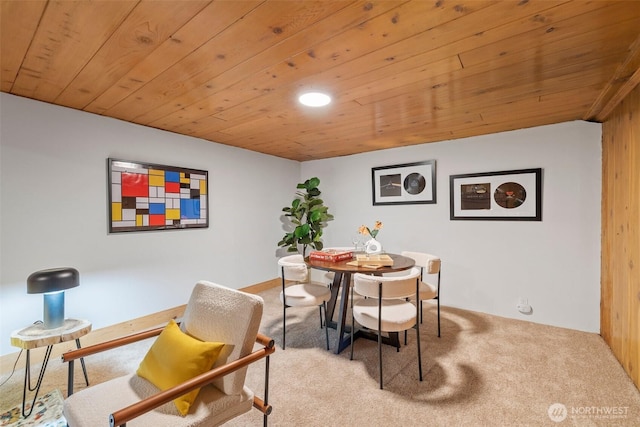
x: 483, y: 371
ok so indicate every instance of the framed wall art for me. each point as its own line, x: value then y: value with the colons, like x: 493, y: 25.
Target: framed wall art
x: 145, y: 196
x: 514, y: 195
x: 404, y: 184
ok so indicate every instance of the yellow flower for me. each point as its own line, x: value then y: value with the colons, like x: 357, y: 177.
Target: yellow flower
x: 373, y: 233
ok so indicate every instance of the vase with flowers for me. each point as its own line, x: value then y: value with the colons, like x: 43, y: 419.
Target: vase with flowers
x: 372, y: 246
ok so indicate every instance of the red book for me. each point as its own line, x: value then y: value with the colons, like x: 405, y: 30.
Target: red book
x: 331, y: 255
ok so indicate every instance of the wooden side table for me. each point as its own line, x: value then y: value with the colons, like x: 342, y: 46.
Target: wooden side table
x: 35, y: 336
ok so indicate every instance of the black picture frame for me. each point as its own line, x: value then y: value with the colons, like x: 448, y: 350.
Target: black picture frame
x: 148, y: 197
x: 404, y: 184
x: 512, y: 195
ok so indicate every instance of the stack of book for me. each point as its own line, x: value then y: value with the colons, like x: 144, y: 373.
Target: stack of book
x: 331, y: 255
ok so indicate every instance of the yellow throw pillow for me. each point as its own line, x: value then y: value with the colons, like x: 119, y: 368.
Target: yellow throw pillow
x: 176, y: 357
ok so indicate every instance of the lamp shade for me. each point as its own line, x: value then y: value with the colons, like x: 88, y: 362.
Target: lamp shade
x: 53, y: 280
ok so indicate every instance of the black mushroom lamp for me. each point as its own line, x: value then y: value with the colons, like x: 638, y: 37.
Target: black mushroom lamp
x: 52, y: 283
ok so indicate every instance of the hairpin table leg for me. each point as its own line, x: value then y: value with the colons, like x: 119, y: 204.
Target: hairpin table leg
x: 84, y: 368
x: 27, y: 380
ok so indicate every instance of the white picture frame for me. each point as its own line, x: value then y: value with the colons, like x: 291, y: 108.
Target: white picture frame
x: 404, y: 184
x: 513, y: 195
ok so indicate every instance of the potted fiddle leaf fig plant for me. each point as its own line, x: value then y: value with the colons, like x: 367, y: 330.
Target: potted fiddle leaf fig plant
x: 309, y: 215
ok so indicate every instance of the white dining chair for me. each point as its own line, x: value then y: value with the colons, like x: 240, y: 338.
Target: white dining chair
x: 386, y: 308
x: 302, y: 293
x: 432, y: 265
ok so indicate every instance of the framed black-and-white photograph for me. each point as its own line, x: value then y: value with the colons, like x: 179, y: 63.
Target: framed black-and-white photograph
x: 404, y: 184
x: 514, y: 195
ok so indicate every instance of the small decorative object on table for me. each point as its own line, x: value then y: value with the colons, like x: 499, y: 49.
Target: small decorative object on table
x: 372, y: 246
x: 331, y: 255
x: 372, y: 260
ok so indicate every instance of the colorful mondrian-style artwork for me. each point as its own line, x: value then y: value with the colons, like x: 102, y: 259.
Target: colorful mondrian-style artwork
x: 156, y: 197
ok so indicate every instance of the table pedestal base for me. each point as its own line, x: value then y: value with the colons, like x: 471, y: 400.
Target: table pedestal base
x: 344, y: 341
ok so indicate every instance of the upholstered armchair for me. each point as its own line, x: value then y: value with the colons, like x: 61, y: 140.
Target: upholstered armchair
x: 193, y: 374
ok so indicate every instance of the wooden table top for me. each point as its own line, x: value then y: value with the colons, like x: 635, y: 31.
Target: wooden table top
x: 400, y: 263
x: 37, y: 336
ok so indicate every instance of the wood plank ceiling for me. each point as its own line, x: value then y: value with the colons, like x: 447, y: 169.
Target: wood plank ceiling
x: 399, y: 72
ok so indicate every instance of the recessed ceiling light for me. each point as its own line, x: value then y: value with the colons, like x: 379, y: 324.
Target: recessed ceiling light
x: 314, y: 99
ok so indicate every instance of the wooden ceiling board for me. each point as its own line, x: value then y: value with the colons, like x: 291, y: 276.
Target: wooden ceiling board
x: 381, y: 31
x: 621, y: 83
x: 401, y: 72
x: 487, y: 78
x: 265, y: 86
x: 444, y: 40
x: 187, y: 111
x: 142, y: 32
x: 68, y: 36
x: 259, y: 98
x: 504, y: 57
x: 419, y: 102
x: 264, y: 26
x: 397, y: 116
x: 18, y: 23
x: 203, y: 27
x: 233, y: 80
x: 552, y: 31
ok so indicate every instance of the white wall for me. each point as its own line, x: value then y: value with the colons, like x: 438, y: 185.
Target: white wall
x: 489, y: 265
x: 53, y: 212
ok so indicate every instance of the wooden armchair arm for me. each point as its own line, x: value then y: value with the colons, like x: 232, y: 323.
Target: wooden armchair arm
x: 122, y: 416
x: 111, y: 344
x: 72, y: 355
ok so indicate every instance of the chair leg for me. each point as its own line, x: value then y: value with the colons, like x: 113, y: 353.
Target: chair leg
x: 351, y: 335
x: 352, y: 325
x: 284, y: 326
x: 438, y: 317
x: 326, y: 329
x: 380, y: 355
x: 419, y: 351
x: 380, y: 332
x: 320, y: 307
x: 266, y: 389
x: 421, y: 314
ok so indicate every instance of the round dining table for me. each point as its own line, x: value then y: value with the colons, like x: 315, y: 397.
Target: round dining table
x: 342, y: 279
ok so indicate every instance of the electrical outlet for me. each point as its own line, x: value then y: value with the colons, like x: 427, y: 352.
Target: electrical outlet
x: 523, y: 306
